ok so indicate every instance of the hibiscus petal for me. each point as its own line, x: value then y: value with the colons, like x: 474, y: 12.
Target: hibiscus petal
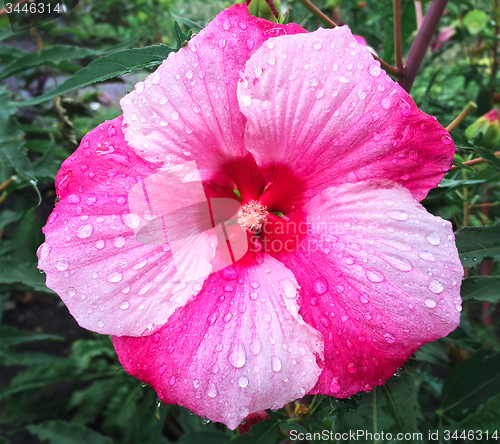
x: 109, y: 260
x: 379, y: 277
x: 188, y: 109
x: 238, y: 348
x: 332, y: 115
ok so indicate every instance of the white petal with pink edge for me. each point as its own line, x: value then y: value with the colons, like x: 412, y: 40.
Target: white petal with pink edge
x: 379, y: 277
x: 321, y: 105
x: 188, y: 109
x: 113, y: 278
x: 235, y: 350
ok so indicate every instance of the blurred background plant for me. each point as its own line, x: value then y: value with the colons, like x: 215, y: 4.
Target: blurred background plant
x: 62, y: 384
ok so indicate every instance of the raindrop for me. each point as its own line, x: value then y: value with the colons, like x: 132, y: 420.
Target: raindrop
x: 374, y: 276
x: 116, y: 277
x: 131, y: 220
x: 174, y: 115
x: 119, y: 242
x: 404, y: 108
x: 433, y: 238
x: 320, y: 286
x: 397, y: 215
x: 374, y: 70
x: 334, y: 385
x: 61, y: 264
x: 124, y: 305
x: 389, y: 338
x: 255, y: 345
x: 271, y: 61
x: 247, y: 100
x: 398, y: 263
x: 242, y: 381
x: 237, y: 356
x: 386, y: 103
x: 276, y: 363
x: 427, y: 256
x: 351, y: 367
x: 212, y: 391
x: 436, y: 287
x: 226, y: 25
x: 85, y: 231
x: 431, y: 303
x: 398, y: 372
x: 446, y: 140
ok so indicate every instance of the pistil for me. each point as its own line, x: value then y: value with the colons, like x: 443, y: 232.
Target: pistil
x: 252, y: 216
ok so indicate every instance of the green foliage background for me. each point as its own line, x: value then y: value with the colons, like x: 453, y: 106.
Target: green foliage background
x: 63, y: 385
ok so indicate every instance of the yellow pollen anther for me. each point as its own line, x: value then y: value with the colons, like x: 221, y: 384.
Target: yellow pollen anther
x: 252, y: 216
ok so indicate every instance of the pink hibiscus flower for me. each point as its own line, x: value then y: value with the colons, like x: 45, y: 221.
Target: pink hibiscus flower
x: 323, y: 277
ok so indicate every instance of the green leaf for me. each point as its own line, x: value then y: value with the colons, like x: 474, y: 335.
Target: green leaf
x: 8, y: 216
x: 433, y: 352
x: 206, y: 437
x: 427, y: 95
x: 194, y: 26
x: 396, y: 404
x: 62, y: 432
x: 471, y: 383
x: 476, y: 243
x: 485, y: 419
x: 481, y: 288
x: 107, y: 67
x: 264, y: 432
x: 8, y: 52
x: 488, y: 156
x: 26, y: 273
x: 12, y: 149
x: 462, y: 166
x: 47, y: 56
x: 12, y: 336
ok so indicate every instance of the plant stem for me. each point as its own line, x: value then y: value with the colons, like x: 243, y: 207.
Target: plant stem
x: 473, y: 162
x: 7, y: 182
x: 398, y: 51
x: 458, y: 120
x: 331, y: 24
x: 319, y: 14
x: 422, y: 41
x: 418, y: 13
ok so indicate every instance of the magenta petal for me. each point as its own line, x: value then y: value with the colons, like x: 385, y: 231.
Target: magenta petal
x: 379, y: 277
x: 105, y: 255
x: 239, y: 348
x: 188, y: 109
x: 332, y: 115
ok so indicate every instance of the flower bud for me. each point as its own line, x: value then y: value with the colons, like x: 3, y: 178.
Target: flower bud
x: 487, y: 125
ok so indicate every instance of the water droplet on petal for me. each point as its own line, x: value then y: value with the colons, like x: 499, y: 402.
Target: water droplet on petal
x: 276, y: 363
x: 85, y: 231
x: 119, y: 242
x: 427, y: 256
x: 446, y: 140
x: 116, y: 277
x: 404, y: 108
x: 351, y: 367
x: 397, y: 262
x: 334, y: 385
x: 124, y: 305
x: 236, y: 355
x: 374, y: 276
x: 242, y: 381
x: 386, y: 103
x: 222, y: 43
x: 397, y: 215
x: 212, y: 391
x: 131, y: 220
x: 320, y: 286
x: 436, y: 287
x: 61, y: 264
x: 433, y: 238
x: 431, y: 303
x: 389, y: 338
x: 255, y: 345
x: 374, y: 70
